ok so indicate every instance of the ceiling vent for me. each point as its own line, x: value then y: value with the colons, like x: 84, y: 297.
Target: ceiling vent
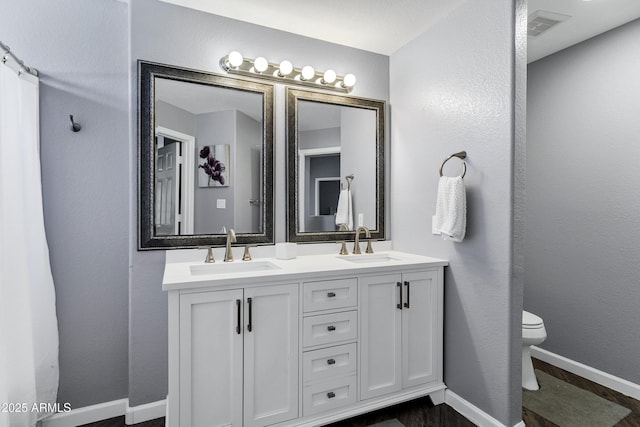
x: 541, y: 21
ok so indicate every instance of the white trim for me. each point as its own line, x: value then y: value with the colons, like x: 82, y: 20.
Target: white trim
x: 472, y: 412
x: 146, y: 412
x: 188, y: 175
x: 87, y: 414
x: 615, y: 383
x: 106, y: 410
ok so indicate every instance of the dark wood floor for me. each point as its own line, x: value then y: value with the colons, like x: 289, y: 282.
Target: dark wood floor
x: 422, y: 413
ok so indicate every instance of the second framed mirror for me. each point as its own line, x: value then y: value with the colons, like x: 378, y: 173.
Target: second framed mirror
x: 336, y: 164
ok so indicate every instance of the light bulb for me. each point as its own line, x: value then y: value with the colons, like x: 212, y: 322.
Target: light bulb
x: 261, y: 64
x: 349, y: 80
x: 286, y: 67
x: 235, y: 59
x: 329, y: 77
x: 308, y: 72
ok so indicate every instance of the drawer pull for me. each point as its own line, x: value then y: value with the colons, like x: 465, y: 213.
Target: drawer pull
x: 331, y: 295
x: 331, y: 328
x: 331, y: 361
x: 331, y: 395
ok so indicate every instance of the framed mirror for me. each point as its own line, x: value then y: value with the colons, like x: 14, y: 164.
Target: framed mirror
x: 205, y: 147
x: 336, y: 164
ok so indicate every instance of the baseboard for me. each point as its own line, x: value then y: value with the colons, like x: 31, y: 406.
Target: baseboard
x: 116, y: 408
x: 87, y: 414
x: 146, y: 412
x: 615, y: 383
x: 472, y: 412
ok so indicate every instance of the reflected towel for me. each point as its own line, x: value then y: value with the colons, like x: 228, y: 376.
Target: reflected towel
x: 344, y: 213
x: 450, y: 220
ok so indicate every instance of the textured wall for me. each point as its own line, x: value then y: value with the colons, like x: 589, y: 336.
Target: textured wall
x: 582, y: 222
x: 453, y: 90
x: 80, y: 50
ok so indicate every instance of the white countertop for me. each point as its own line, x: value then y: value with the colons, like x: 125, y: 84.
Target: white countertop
x: 189, y: 275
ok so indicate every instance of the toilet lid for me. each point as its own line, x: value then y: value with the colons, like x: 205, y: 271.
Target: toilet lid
x: 530, y: 320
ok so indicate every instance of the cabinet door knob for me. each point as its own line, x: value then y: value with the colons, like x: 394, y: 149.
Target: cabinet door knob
x: 331, y: 328
x: 331, y: 395
x: 331, y: 361
x: 331, y: 295
x: 399, y: 304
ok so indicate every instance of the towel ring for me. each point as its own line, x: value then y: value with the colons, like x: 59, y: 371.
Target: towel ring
x: 461, y: 155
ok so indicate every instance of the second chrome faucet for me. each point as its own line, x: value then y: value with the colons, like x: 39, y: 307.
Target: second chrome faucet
x: 356, y: 243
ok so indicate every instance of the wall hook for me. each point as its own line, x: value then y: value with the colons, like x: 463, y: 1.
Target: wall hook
x: 74, y: 126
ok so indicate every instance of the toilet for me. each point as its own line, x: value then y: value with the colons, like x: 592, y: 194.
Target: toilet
x: 533, y: 333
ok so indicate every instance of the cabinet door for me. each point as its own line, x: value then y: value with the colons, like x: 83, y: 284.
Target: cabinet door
x: 271, y: 354
x: 210, y: 359
x: 380, y: 343
x: 420, y: 326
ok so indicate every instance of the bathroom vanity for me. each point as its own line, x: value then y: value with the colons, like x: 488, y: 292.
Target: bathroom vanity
x: 302, y: 342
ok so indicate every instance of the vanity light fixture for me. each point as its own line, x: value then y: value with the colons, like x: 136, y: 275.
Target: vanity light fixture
x: 261, y: 64
x: 329, y: 77
x: 285, y: 72
x: 285, y: 68
x: 307, y: 73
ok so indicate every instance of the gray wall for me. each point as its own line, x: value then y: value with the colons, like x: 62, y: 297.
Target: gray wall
x: 319, y: 138
x: 247, y: 177
x: 452, y: 90
x: 218, y: 128
x: 582, y: 222
x: 169, y: 34
x: 80, y: 49
x: 358, y: 157
x: 174, y: 118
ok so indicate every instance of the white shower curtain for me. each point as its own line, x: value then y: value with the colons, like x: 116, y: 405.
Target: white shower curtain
x: 28, y: 323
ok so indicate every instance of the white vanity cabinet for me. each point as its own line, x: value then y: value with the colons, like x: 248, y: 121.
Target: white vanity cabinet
x: 304, y: 342
x: 238, y: 361
x: 401, y: 332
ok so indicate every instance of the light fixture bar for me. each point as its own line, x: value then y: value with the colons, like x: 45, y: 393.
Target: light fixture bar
x: 285, y: 72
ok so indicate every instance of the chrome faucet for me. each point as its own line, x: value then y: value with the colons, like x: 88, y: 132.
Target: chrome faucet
x: 231, y: 238
x: 356, y: 243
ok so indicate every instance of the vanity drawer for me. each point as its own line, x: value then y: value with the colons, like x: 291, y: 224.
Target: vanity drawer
x: 329, y: 362
x: 328, y: 294
x: 328, y: 395
x: 330, y: 328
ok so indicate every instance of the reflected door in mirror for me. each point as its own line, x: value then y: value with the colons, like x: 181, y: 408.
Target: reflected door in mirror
x: 168, y: 177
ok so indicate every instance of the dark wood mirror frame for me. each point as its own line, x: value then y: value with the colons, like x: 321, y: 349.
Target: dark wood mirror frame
x: 292, y: 97
x: 147, y: 73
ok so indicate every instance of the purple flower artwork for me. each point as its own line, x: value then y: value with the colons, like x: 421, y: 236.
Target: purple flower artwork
x: 213, y: 171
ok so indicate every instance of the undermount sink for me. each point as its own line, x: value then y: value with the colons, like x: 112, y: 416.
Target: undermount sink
x: 367, y: 258
x: 235, y: 267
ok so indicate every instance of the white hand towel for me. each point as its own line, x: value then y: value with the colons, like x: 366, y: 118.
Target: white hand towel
x: 344, y: 213
x: 450, y: 219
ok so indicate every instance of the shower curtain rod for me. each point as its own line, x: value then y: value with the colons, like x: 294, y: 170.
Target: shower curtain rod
x: 8, y: 54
